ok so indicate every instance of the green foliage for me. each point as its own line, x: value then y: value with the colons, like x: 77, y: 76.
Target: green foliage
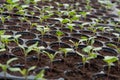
x: 7, y: 66
x: 90, y: 49
x: 5, y: 39
x: 86, y: 58
x: 70, y: 26
x: 59, y: 34
x: 43, y: 29
x: 40, y: 76
x: 84, y: 14
x: 66, y: 50
x: 50, y: 55
x: 16, y: 37
x: 24, y: 71
x: 110, y: 59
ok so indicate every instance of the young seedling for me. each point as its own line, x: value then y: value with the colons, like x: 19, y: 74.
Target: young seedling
x: 71, y: 13
x: 7, y: 66
x: 90, y: 50
x: 37, y: 49
x: 75, y: 18
x: 76, y: 44
x: 2, y: 32
x: 65, y: 51
x: 110, y: 60
x: 89, y: 41
x: 63, y: 21
x: 11, y: 4
x: 35, y: 2
x: 70, y: 26
x: 84, y: 14
x: 40, y: 76
x: 5, y: 39
x: 51, y: 57
x: 84, y: 24
x: 43, y: 30
x: 59, y: 34
x: 25, y: 72
x: 86, y: 58
x: 33, y: 25
x: 27, y: 50
x: 88, y: 7
x: 16, y: 37
x: 2, y: 19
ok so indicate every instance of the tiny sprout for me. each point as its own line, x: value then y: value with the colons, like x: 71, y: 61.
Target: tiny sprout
x: 71, y: 13
x: 16, y: 37
x: 76, y: 44
x: 66, y: 50
x: 24, y: 71
x: 33, y: 25
x: 63, y: 21
x: 3, y: 19
x: 70, y: 26
x: 7, y: 66
x: 86, y: 58
x: 35, y: 47
x: 2, y: 32
x: 51, y: 56
x: 90, y: 49
x: 40, y: 75
x: 84, y: 14
x: 109, y: 60
x: 5, y: 39
x: 90, y: 41
x: 83, y: 24
x: 59, y: 34
x: 43, y: 30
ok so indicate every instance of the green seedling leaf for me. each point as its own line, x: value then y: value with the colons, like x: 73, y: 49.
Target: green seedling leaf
x: 14, y: 69
x: 92, y: 56
x: 32, y: 47
x: 97, y: 49
x: 5, y: 38
x: 112, y: 45
x: 87, y: 49
x: 4, y: 67
x: 23, y: 72
x: 11, y: 60
x: 70, y: 26
x: 43, y: 29
x: 51, y: 56
x: 2, y: 32
x: 72, y: 13
x: 110, y: 59
x: 66, y: 50
x: 31, y: 68
x: 59, y: 33
x: 83, y: 38
x: 3, y: 19
x: 40, y: 75
x: 64, y: 21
